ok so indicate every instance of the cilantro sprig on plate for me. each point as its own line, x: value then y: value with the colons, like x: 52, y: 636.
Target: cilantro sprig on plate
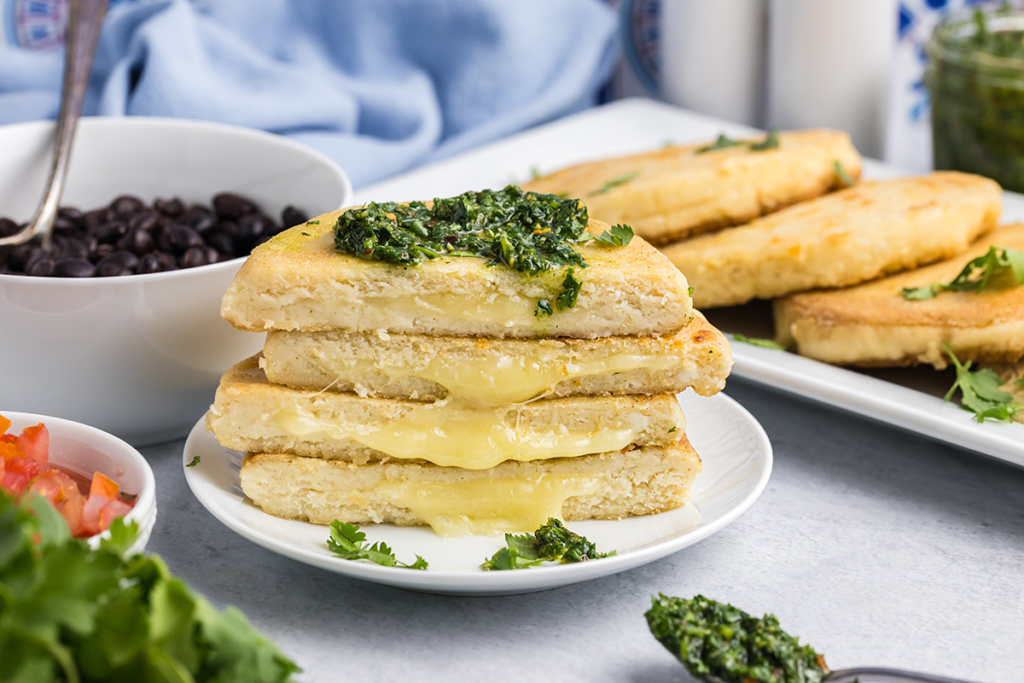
x: 980, y: 392
x: 754, y: 341
x: 552, y: 542
x: 349, y: 543
x: 999, y: 267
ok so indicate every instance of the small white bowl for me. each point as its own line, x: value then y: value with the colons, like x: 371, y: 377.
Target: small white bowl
x: 139, y: 356
x: 84, y: 450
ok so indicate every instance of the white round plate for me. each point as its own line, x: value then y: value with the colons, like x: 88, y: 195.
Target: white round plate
x: 737, y: 460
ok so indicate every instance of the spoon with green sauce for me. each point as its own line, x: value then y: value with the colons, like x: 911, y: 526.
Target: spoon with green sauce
x: 718, y: 643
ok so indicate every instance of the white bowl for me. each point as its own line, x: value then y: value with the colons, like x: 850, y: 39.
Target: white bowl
x: 85, y: 450
x: 139, y: 356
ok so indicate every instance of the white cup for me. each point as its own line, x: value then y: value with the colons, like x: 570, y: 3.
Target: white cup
x: 712, y: 57
x: 828, y: 66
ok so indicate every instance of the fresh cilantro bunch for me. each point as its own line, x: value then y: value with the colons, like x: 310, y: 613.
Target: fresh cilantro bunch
x: 716, y: 641
x: 70, y: 613
x: 347, y: 542
x: 552, y: 542
x: 999, y: 267
x: 980, y: 392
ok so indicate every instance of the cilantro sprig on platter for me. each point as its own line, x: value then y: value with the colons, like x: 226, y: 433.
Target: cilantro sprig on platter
x: 980, y: 392
x: 754, y: 341
x: 552, y: 542
x: 771, y: 141
x: 615, y: 182
x: 999, y: 267
x: 349, y: 543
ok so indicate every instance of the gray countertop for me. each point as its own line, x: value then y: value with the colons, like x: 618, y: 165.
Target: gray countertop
x: 875, y: 546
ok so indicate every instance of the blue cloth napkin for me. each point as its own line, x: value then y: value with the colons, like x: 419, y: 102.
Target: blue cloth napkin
x: 380, y: 86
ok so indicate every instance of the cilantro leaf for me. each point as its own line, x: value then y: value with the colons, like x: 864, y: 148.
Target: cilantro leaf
x: 771, y: 141
x: 543, y: 309
x: 347, y: 542
x: 570, y: 291
x: 195, y: 461
x: 980, y: 392
x: 723, y: 142
x: 618, y: 236
x: 615, y: 182
x: 841, y: 174
x: 552, y: 542
x: 999, y: 267
x: 763, y: 343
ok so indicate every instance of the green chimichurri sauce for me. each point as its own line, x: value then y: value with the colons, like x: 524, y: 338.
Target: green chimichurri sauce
x: 528, y: 232
x: 976, y: 80
x: 716, y: 641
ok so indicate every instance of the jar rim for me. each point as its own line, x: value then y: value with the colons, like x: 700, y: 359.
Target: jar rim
x: 948, y: 42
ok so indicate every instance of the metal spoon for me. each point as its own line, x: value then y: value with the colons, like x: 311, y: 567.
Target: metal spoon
x: 84, y: 22
x: 867, y: 674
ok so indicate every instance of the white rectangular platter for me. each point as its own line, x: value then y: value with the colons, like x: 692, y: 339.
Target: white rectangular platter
x: 637, y: 125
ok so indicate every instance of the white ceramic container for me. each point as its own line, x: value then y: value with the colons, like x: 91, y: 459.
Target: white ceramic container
x: 139, y: 356
x: 86, y: 450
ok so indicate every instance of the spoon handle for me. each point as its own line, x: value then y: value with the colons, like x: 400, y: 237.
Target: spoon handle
x: 85, y: 19
x: 879, y: 675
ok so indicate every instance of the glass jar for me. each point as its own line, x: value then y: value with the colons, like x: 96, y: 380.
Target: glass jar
x: 976, y: 78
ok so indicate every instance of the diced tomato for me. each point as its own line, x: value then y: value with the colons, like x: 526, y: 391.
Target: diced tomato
x: 9, y: 449
x: 47, y: 488
x: 34, y: 443
x: 103, y: 486
x: 3, y: 467
x: 72, y: 508
x: 54, y: 480
x: 111, y: 511
x: 4, y: 424
x: 27, y: 466
x: 14, y: 482
x: 91, y: 514
x: 8, y: 438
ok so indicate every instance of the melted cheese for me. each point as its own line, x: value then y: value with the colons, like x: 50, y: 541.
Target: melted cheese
x: 496, y: 380
x: 454, y: 434
x: 489, y: 506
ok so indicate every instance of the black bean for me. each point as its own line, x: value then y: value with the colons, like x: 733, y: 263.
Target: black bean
x: 72, y: 214
x: 74, y: 247
x: 125, y: 259
x: 138, y: 241
x: 181, y: 238
x: 291, y: 217
x: 194, y: 257
x: 146, y: 219
x: 220, y: 242
x: 229, y: 228
x: 229, y: 205
x: 64, y: 226
x: 252, y: 227
x: 202, y: 222
x: 111, y: 232
x: 73, y: 267
x: 40, y: 267
x: 169, y: 207
x: 20, y: 255
x: 100, y: 251
x: 98, y: 217
x: 7, y: 227
x: 150, y: 263
x: 125, y: 206
x: 110, y: 269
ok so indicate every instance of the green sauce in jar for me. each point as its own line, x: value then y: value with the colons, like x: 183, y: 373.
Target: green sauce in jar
x: 976, y: 79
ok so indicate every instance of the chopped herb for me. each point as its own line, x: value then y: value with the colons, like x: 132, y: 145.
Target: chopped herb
x: 980, y: 392
x: 528, y: 232
x: 543, y: 309
x: 615, y: 182
x: 552, y: 542
x: 763, y: 343
x: 718, y: 642
x: 195, y: 461
x: 689, y: 291
x: 618, y: 236
x: 999, y: 267
x: 313, y: 222
x: 129, y: 496
x: 534, y: 173
x: 841, y: 174
x: 723, y: 142
x: 771, y: 141
x: 671, y: 430
x: 667, y: 144
x: 305, y: 234
x: 346, y: 542
x: 570, y: 291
